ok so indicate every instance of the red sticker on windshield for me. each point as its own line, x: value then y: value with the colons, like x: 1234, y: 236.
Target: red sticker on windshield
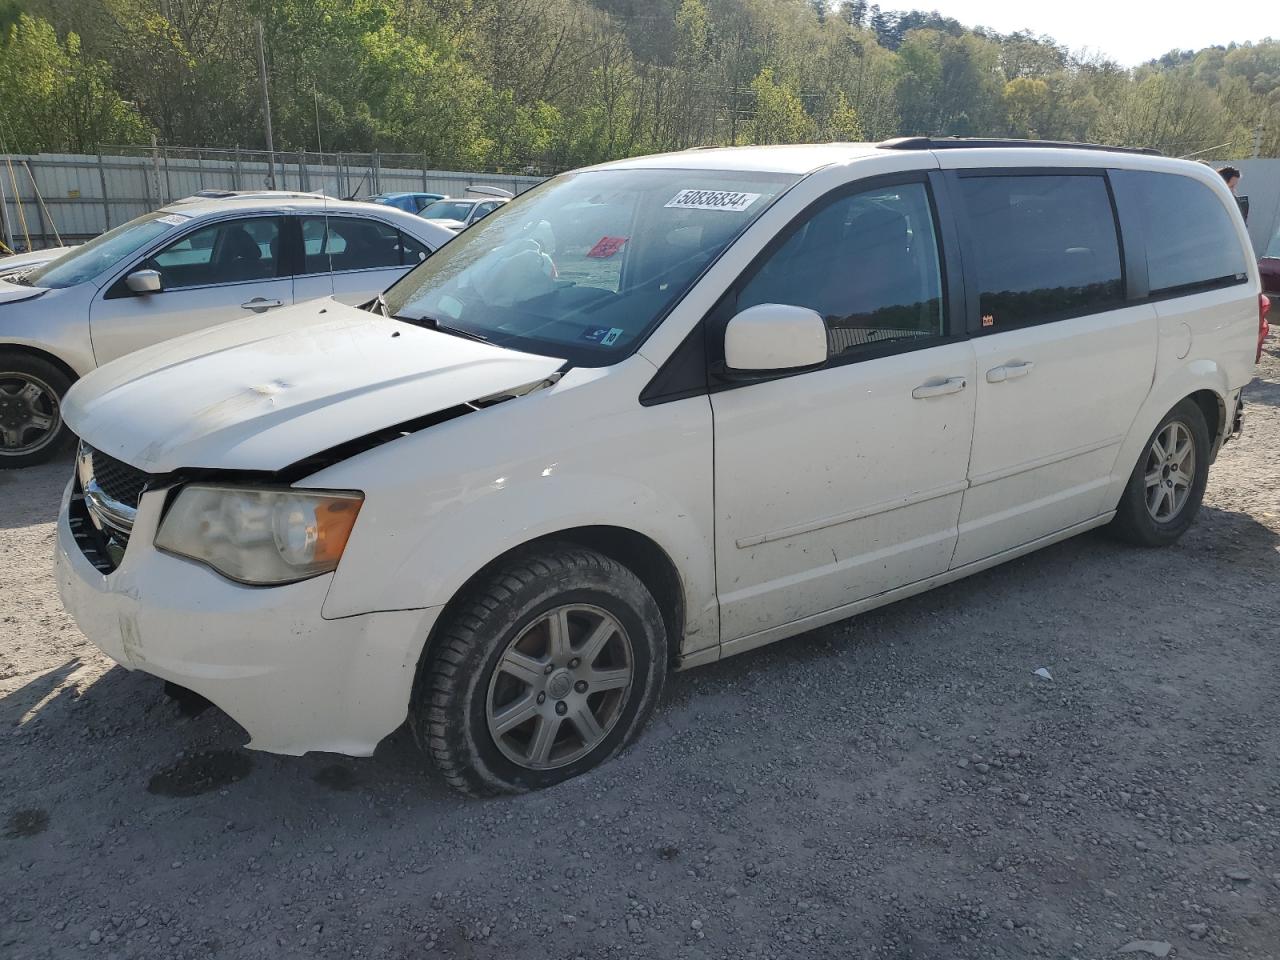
x: 606, y: 247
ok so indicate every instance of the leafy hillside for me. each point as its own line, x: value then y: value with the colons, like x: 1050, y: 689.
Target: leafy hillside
x: 557, y: 83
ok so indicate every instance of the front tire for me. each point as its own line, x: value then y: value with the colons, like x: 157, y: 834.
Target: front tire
x: 1167, y: 485
x: 542, y: 670
x: 31, y: 426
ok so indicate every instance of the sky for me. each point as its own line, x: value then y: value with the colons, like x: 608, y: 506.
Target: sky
x: 1128, y: 31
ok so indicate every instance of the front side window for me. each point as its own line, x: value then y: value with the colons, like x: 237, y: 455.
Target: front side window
x: 350, y: 243
x: 105, y: 251
x: 1191, y: 241
x: 230, y: 251
x: 585, y: 265
x: 868, y: 263
x: 1046, y: 247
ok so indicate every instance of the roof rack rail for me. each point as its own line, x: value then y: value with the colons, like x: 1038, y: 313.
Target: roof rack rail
x: 957, y: 143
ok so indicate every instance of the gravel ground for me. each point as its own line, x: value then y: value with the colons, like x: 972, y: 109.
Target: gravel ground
x: 901, y: 785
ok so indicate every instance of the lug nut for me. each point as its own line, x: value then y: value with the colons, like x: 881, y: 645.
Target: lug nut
x: 581, y: 686
x: 573, y: 664
x: 542, y: 698
x: 549, y: 668
x: 561, y: 708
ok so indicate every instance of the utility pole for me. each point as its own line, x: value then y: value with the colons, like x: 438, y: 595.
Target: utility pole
x: 266, y: 110
x: 1257, y: 141
x: 319, y: 147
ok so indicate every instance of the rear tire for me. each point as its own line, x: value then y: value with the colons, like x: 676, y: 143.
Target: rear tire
x: 31, y: 425
x: 544, y: 668
x: 1167, y: 484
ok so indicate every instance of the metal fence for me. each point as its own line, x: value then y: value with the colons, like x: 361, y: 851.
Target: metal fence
x: 47, y: 199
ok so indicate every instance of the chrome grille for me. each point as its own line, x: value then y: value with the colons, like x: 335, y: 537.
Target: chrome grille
x: 119, y: 481
x: 104, y: 505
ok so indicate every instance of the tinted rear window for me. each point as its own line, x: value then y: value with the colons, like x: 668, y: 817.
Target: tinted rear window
x: 1045, y: 247
x: 1191, y: 240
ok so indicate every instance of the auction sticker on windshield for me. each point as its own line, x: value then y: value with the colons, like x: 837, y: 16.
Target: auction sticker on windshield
x: 730, y: 200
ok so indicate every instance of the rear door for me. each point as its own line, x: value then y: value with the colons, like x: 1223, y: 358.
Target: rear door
x: 215, y: 272
x: 352, y: 258
x: 1064, y: 356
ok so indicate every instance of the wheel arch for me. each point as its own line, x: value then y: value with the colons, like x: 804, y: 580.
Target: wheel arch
x: 639, y: 553
x: 25, y: 350
x: 1203, y: 382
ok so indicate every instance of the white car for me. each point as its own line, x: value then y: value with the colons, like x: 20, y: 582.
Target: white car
x: 782, y: 386
x: 192, y: 264
x: 458, y: 213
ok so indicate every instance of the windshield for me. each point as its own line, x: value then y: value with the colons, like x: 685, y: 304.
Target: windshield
x: 584, y: 266
x: 104, y: 252
x: 448, y: 209
x: 1273, y: 248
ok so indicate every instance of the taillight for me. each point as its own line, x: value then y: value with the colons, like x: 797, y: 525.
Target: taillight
x: 1264, y: 307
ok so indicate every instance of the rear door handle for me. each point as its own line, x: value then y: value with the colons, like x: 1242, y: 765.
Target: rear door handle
x: 939, y: 388
x: 1009, y: 371
x: 260, y: 305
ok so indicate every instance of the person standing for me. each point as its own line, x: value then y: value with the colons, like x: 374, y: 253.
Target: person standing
x: 1231, y: 175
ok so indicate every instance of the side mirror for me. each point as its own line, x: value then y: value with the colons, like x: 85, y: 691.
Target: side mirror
x: 144, y: 281
x: 775, y: 336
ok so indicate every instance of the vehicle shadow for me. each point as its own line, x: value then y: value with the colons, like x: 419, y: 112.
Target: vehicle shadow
x: 32, y: 495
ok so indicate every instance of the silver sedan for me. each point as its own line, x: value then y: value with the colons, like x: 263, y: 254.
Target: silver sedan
x: 181, y: 268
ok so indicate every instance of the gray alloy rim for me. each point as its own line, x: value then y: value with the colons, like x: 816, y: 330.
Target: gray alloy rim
x: 1170, y: 471
x: 559, y: 687
x: 29, y: 414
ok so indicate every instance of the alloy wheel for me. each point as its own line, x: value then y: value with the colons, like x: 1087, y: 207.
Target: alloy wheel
x: 29, y: 414
x: 559, y: 687
x: 1170, y: 471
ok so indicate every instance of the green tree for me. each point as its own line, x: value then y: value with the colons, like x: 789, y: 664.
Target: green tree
x: 56, y: 99
x: 780, y: 116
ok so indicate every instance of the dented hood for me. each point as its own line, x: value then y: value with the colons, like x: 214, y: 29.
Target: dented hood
x: 265, y: 392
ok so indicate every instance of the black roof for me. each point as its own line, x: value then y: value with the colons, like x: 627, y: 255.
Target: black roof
x: 960, y: 143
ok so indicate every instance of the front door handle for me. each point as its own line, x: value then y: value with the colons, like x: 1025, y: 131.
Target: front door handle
x: 939, y: 387
x: 1009, y: 371
x: 260, y: 305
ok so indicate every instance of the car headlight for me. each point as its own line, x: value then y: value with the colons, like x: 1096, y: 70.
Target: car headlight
x: 260, y: 536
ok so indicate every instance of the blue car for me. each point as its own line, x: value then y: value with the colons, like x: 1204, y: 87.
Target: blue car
x: 409, y: 202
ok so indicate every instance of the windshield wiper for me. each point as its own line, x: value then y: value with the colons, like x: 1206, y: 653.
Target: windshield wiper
x: 435, y: 324
x: 381, y: 303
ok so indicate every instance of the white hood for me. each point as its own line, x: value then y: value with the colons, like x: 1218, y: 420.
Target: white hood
x: 265, y: 392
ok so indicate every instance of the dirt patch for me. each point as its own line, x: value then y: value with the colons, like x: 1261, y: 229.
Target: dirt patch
x: 26, y: 823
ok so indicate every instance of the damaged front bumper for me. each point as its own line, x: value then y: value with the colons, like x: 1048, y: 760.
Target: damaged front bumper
x: 294, y: 680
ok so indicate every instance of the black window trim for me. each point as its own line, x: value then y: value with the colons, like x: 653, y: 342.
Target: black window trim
x: 968, y: 252
x: 678, y: 378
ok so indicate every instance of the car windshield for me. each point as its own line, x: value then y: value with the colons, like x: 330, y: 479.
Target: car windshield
x: 105, y: 251
x: 585, y: 265
x: 1273, y: 248
x: 448, y: 209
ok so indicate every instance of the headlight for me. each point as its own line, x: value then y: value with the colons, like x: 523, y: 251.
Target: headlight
x: 260, y: 536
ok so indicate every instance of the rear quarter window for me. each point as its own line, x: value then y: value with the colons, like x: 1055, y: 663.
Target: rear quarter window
x: 1191, y: 240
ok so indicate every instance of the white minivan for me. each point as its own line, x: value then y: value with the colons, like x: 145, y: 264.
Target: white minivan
x: 746, y: 393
